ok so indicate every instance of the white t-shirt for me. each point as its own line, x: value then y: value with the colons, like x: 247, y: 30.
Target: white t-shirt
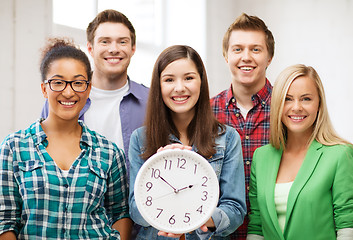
x: 103, y: 115
x: 281, y: 199
x: 243, y: 110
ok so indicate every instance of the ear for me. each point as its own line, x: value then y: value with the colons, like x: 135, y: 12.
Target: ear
x: 133, y: 49
x: 269, y: 62
x: 90, y: 48
x: 44, y: 90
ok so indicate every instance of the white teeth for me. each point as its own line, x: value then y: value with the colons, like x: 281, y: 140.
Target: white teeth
x: 113, y: 60
x: 67, y: 103
x: 180, y: 98
x: 246, y: 68
x: 297, y: 118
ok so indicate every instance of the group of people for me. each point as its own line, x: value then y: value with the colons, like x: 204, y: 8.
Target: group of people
x: 283, y: 171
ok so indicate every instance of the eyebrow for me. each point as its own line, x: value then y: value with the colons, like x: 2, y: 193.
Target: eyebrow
x: 304, y: 95
x: 119, y: 38
x: 60, y: 76
x: 171, y: 74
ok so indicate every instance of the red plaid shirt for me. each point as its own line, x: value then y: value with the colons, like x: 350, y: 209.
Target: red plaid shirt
x: 254, y: 131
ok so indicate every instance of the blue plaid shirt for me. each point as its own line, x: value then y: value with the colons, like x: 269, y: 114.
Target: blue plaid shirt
x: 37, y: 202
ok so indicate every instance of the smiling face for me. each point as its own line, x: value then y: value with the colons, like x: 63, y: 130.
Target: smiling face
x: 180, y: 87
x: 111, y: 50
x: 66, y: 104
x: 301, y: 107
x: 248, y: 58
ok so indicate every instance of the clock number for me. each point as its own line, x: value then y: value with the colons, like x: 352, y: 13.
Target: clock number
x: 155, y: 173
x: 195, y: 168
x: 199, y: 209
x: 187, y: 218
x: 168, y: 164
x: 172, y: 220
x: 160, y: 212
x: 181, y: 163
x: 149, y: 185
x: 204, y: 183
x: 149, y: 201
x: 205, y: 196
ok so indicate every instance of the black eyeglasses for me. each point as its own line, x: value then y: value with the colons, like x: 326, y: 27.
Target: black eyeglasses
x: 58, y: 85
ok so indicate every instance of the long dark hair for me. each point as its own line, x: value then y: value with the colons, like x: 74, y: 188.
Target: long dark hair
x: 203, y: 128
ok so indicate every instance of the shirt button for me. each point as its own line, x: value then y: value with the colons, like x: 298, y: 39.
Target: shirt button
x: 237, y: 114
x: 248, y: 188
x: 233, y: 100
x: 247, y: 137
x: 247, y: 162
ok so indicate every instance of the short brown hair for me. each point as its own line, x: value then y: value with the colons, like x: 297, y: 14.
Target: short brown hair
x: 246, y: 22
x: 113, y: 16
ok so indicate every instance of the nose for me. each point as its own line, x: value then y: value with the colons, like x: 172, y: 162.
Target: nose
x: 179, y: 86
x: 68, y: 91
x: 297, y: 105
x: 246, y: 55
x: 113, y: 48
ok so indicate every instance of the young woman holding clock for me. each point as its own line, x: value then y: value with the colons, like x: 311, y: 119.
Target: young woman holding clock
x: 179, y: 116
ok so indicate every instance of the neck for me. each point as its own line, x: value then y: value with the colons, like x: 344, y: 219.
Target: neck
x: 181, y: 123
x: 62, y: 127
x: 243, y: 93
x: 104, y: 82
x: 298, y: 142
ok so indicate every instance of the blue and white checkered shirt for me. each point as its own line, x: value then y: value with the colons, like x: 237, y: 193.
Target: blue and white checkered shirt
x: 38, y: 202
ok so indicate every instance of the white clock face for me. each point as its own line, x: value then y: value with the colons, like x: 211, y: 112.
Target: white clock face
x: 176, y: 191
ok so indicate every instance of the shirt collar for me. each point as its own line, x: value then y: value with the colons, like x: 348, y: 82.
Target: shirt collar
x: 174, y: 139
x: 261, y: 96
x: 38, y: 135
x: 134, y: 89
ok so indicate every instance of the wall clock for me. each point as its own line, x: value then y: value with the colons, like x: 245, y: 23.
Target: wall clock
x: 176, y: 190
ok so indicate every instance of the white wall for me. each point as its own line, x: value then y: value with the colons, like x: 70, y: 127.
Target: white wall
x: 316, y: 33
x: 24, y: 25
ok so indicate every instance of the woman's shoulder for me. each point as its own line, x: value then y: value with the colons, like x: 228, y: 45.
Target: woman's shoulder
x: 339, y: 149
x: 97, y: 140
x: 266, y: 149
x: 24, y: 135
x: 227, y: 130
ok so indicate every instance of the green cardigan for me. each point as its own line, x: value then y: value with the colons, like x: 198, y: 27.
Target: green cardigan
x: 320, y: 200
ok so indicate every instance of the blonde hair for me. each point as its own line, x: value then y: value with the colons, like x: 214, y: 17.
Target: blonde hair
x: 323, y: 131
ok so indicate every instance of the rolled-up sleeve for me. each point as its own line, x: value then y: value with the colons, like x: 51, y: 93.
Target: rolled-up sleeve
x: 116, y: 201
x: 135, y: 164
x: 10, y: 199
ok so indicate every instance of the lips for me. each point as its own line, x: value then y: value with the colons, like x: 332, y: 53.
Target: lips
x: 67, y: 103
x: 113, y: 60
x: 246, y: 68
x: 180, y: 99
x: 297, y: 118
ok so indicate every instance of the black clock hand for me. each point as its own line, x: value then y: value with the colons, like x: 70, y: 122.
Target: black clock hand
x: 175, y: 190
x: 190, y: 186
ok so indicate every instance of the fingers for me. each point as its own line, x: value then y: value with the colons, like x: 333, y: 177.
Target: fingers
x: 175, y: 146
x: 172, y: 235
x: 204, y: 228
